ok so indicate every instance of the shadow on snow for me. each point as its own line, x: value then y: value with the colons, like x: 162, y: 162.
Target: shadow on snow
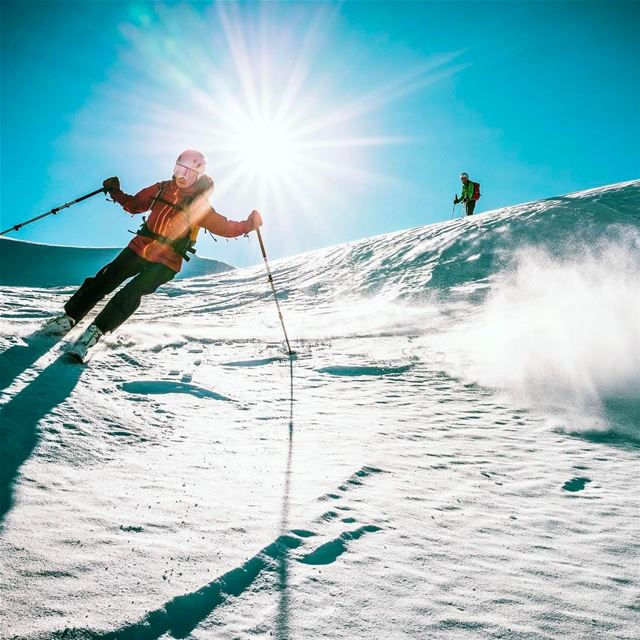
x: 19, y: 418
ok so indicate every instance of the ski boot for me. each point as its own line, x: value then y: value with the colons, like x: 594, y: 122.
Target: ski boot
x: 80, y: 349
x: 58, y: 326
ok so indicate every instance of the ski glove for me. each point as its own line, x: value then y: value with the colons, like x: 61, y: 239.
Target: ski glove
x: 110, y: 184
x: 455, y: 199
x: 254, y: 220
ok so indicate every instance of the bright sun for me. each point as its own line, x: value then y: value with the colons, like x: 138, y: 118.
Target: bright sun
x: 257, y: 94
x: 265, y: 148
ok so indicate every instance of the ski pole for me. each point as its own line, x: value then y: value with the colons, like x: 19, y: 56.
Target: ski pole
x: 53, y: 211
x: 275, y: 295
x: 453, y: 210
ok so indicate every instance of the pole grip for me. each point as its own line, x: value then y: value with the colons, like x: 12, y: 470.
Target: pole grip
x: 264, y: 253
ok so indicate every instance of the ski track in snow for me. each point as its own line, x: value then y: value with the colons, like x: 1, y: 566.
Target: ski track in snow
x: 459, y: 459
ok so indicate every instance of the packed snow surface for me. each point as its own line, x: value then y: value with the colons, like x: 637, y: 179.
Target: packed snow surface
x: 457, y: 458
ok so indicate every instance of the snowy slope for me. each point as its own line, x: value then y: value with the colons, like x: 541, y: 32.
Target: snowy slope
x: 460, y: 458
x: 30, y: 264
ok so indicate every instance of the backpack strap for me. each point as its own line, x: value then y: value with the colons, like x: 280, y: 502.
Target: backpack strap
x: 158, y: 198
x: 180, y: 246
x: 183, y: 245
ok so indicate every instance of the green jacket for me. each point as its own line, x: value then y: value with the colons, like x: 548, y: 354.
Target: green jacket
x: 467, y: 190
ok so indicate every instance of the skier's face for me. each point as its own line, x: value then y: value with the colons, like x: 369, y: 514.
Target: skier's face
x: 464, y: 179
x: 184, y: 176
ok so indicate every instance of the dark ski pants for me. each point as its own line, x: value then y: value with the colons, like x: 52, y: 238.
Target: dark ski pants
x: 470, y: 205
x: 148, y: 277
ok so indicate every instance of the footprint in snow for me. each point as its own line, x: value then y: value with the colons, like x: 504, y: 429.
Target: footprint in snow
x: 253, y: 363
x: 576, y: 484
x: 364, y: 371
x: 354, y: 480
x: 153, y: 387
x: 330, y: 551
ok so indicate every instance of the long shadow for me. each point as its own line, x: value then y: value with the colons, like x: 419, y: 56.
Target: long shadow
x: 282, y: 616
x: 181, y: 615
x: 19, y: 357
x: 19, y: 418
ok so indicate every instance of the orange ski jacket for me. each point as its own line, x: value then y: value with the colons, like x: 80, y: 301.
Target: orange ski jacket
x: 174, y: 212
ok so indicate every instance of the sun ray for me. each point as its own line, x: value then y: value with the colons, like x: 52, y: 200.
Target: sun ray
x: 256, y: 95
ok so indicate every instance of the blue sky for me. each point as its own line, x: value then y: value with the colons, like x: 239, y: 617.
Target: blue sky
x: 337, y: 120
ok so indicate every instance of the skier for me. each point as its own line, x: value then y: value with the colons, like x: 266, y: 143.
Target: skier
x: 470, y: 193
x: 179, y: 209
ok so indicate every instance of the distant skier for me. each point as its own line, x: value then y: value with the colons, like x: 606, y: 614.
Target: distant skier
x: 470, y: 193
x: 179, y: 209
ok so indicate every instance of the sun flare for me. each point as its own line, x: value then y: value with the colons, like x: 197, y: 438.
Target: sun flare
x: 265, y: 148
x: 284, y: 125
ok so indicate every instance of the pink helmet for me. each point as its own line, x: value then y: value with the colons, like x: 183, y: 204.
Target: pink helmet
x: 190, y: 165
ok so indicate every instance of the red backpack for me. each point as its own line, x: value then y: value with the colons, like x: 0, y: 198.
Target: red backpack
x: 476, y: 191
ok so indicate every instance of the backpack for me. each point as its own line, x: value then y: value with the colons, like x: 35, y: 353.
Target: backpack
x: 185, y: 244
x: 476, y: 191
